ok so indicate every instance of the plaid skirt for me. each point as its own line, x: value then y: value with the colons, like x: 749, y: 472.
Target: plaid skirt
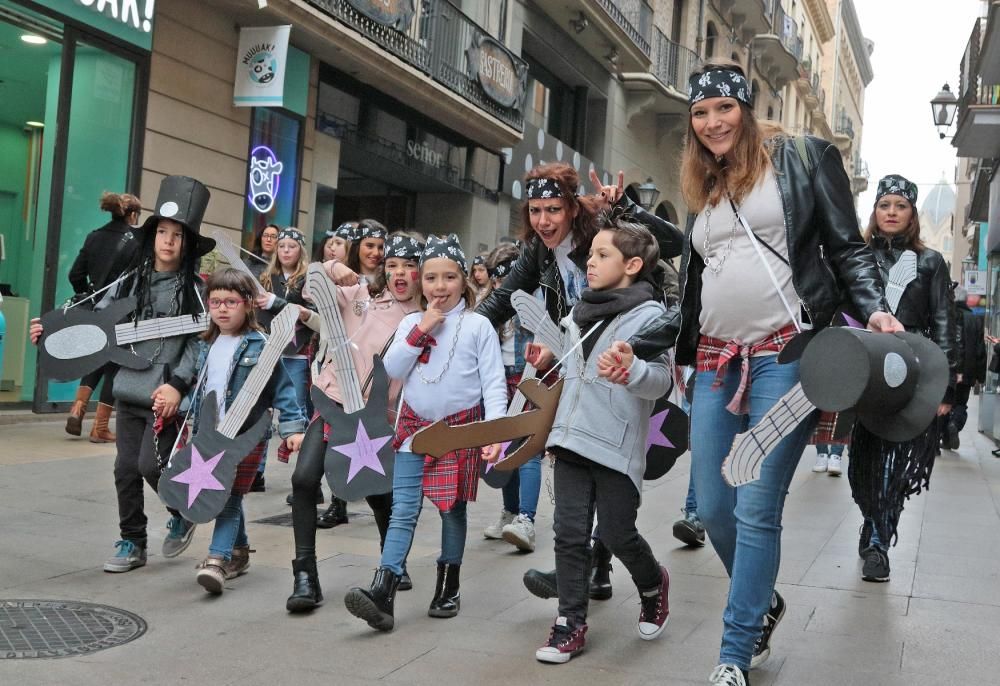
x: 246, y: 470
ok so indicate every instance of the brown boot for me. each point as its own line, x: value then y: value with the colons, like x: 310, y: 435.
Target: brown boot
x: 239, y: 563
x: 101, y: 433
x: 74, y: 422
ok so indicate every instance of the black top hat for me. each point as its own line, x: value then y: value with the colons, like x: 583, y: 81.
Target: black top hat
x: 893, y: 382
x: 183, y: 200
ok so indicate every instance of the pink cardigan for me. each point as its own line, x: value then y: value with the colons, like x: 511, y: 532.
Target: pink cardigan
x: 370, y: 331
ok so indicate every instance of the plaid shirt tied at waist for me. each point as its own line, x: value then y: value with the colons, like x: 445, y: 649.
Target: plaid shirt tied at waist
x: 454, y: 476
x: 715, y: 354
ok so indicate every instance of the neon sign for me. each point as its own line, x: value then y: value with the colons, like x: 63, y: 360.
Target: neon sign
x: 265, y: 173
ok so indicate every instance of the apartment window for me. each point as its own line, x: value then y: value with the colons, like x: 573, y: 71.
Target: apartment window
x: 711, y: 38
x: 550, y: 104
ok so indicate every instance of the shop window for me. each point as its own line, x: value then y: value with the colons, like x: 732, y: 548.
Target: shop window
x: 272, y: 172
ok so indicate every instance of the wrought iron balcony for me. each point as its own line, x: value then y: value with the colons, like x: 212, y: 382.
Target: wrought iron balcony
x: 860, y: 175
x: 978, y: 132
x: 779, y: 49
x: 438, y: 39
x: 665, y: 84
x: 635, y: 17
x: 746, y: 17
x: 626, y: 24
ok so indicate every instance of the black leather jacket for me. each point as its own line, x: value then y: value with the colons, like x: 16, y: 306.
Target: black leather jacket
x: 830, y: 262
x: 537, y: 267
x: 926, y: 304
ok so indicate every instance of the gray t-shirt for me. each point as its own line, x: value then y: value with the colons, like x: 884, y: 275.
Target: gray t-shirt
x: 740, y: 302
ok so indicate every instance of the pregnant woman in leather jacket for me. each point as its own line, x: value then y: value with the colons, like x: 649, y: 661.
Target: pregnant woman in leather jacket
x: 884, y: 474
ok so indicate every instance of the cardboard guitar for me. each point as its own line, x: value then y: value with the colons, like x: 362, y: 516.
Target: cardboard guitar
x: 199, y: 477
x: 77, y: 340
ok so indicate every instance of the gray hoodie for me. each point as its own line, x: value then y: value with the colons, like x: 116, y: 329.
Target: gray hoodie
x: 173, y: 358
x: 603, y: 422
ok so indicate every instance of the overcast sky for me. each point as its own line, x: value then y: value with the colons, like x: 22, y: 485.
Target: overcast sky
x: 918, y: 47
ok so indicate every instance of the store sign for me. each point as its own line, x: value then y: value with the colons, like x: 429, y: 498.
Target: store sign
x: 135, y: 13
x: 499, y: 75
x: 975, y: 282
x: 396, y: 14
x: 421, y: 152
x: 260, y: 66
x: 265, y: 174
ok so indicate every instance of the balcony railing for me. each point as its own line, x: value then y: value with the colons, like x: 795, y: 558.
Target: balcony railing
x: 845, y: 125
x: 635, y: 17
x: 436, y: 42
x: 971, y: 88
x: 673, y: 63
x: 860, y: 169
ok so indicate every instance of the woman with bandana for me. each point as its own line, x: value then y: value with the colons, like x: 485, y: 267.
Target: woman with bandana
x: 883, y: 474
x: 772, y: 245
x: 364, y: 256
x: 558, y: 227
x: 481, y: 277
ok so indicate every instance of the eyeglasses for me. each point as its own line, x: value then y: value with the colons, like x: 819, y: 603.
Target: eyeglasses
x: 269, y: 236
x: 230, y: 303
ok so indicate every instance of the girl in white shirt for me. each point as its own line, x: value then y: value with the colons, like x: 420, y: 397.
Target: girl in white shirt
x: 449, y: 360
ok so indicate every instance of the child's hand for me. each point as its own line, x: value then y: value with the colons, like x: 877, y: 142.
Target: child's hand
x: 538, y: 356
x: 433, y: 316
x: 166, y: 400
x: 294, y: 442
x: 491, y: 453
x: 263, y: 300
x: 341, y: 274
x: 613, y: 364
x: 35, y: 330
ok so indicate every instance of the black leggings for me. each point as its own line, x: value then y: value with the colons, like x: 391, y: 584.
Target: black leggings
x: 305, y: 480
x: 107, y: 372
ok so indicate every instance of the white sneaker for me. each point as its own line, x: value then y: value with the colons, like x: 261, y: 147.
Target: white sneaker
x: 727, y: 675
x: 495, y: 531
x: 521, y: 533
x: 821, y: 463
x: 835, y: 466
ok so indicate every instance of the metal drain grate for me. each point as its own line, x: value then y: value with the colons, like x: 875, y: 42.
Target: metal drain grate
x: 61, y: 628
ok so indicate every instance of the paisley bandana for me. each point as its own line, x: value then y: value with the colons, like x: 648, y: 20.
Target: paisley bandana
x: 502, y: 269
x: 345, y: 231
x: 403, y: 247
x: 294, y: 233
x: 448, y: 248
x: 543, y: 188
x: 366, y: 230
x: 718, y: 83
x: 894, y: 184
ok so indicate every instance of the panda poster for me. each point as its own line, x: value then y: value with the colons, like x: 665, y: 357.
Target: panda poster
x: 260, y: 66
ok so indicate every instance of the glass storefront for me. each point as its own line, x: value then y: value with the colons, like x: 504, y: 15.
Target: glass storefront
x: 70, y: 107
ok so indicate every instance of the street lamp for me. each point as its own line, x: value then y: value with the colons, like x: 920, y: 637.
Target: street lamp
x: 944, y: 106
x: 648, y: 194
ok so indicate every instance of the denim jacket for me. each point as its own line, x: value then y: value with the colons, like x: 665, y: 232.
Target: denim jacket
x: 521, y: 339
x: 279, y: 392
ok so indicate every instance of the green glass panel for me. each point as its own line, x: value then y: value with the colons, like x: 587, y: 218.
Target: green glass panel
x: 97, y: 158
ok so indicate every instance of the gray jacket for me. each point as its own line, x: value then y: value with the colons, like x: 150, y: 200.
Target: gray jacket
x: 603, y: 422
x: 173, y: 359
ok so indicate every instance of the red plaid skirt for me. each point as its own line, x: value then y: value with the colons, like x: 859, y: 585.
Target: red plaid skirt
x: 452, y: 477
x: 247, y: 469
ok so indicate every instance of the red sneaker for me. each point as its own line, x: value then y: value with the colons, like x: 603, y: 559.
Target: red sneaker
x: 655, y: 608
x: 564, y: 642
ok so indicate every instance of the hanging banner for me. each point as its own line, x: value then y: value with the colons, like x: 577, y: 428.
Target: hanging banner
x: 261, y: 61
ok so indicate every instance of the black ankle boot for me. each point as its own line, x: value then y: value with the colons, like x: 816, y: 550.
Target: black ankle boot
x: 306, y: 593
x: 447, y: 599
x: 405, y: 582
x: 374, y: 605
x: 335, y: 515
x: 600, y: 573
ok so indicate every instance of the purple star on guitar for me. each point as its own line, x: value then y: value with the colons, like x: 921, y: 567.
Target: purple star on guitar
x: 199, y: 476
x: 363, y: 452
x: 656, y: 436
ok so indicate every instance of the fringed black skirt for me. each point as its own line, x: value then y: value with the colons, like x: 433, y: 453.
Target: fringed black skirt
x: 884, y: 474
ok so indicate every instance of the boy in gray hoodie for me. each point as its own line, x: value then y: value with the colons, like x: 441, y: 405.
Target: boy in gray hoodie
x: 599, y: 436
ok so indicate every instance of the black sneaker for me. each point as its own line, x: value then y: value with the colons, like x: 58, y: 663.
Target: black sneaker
x: 541, y: 584
x: 762, y: 648
x: 876, y: 567
x: 689, y: 530
x: 866, y: 538
x: 951, y: 436
x: 258, y: 485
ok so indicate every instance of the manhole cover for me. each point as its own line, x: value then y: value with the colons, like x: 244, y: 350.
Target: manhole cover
x: 60, y: 628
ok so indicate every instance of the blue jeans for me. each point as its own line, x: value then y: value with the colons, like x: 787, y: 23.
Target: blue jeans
x: 230, y: 529
x: 827, y: 449
x: 744, y: 523
x: 691, y: 502
x: 407, y: 500
x: 520, y: 493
